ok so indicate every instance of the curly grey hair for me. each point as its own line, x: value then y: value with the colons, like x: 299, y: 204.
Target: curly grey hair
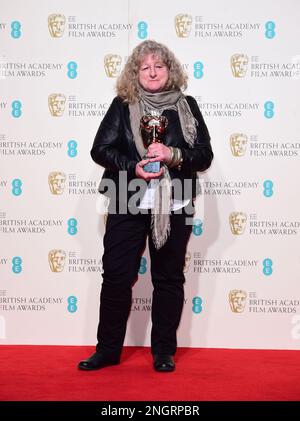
x: 127, y: 83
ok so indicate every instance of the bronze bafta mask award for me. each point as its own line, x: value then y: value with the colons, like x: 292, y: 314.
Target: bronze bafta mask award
x: 153, y: 128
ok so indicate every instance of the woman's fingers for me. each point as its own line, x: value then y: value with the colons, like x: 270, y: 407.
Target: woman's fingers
x: 141, y: 173
x: 158, y: 152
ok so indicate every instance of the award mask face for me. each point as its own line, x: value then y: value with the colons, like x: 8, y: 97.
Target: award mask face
x: 153, y: 129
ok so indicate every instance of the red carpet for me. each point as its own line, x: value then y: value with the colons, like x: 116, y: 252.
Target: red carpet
x: 49, y: 373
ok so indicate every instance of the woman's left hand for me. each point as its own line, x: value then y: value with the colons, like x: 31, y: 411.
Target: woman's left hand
x: 158, y: 152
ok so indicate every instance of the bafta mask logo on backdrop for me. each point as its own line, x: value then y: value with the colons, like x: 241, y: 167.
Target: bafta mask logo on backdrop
x: 112, y: 65
x: 57, y: 260
x: 237, y: 221
x: 57, y: 182
x: 238, y: 144
x: 237, y: 300
x: 183, y: 25
x: 56, y: 25
x: 56, y: 104
x: 239, y: 65
x: 187, y: 261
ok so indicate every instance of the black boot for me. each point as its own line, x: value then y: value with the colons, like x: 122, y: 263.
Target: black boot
x: 98, y: 360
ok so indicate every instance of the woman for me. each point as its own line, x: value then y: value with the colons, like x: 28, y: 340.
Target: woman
x: 150, y: 85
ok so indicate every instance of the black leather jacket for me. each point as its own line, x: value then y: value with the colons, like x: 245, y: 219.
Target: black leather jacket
x: 114, y: 148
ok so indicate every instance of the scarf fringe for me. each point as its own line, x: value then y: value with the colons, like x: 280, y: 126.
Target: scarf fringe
x: 160, y: 217
x: 159, y: 238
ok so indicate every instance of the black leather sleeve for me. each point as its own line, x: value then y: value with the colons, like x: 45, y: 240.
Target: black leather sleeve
x: 106, y: 150
x: 200, y: 157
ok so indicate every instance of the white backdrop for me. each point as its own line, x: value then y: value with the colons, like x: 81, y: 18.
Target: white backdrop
x: 243, y: 62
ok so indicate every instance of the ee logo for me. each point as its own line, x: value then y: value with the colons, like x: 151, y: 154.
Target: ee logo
x: 143, y: 265
x: 72, y: 304
x: 197, y: 305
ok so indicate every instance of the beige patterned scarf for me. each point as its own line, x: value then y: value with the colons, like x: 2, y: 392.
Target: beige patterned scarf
x: 167, y: 100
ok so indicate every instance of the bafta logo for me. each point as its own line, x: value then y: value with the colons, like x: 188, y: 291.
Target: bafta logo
x: 56, y: 104
x: 237, y: 221
x: 238, y: 144
x: 112, y: 65
x: 239, y: 64
x: 56, y: 25
x: 57, y: 260
x: 183, y: 25
x: 57, y: 182
x: 187, y: 262
x: 237, y: 300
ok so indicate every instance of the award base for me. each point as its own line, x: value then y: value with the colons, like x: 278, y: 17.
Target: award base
x: 152, y: 167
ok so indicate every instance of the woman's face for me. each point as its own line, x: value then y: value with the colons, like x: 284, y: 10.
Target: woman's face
x: 153, y: 74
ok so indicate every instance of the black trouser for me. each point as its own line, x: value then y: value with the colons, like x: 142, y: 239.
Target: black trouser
x: 124, y: 242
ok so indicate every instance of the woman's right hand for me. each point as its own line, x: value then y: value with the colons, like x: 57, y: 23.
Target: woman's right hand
x: 147, y: 176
